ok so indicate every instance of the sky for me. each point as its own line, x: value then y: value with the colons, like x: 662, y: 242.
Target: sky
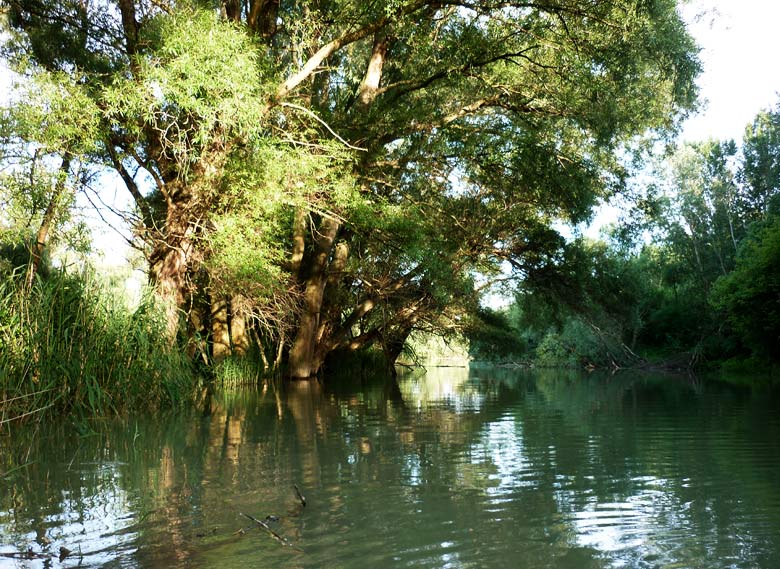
x: 740, y: 42
x: 740, y: 46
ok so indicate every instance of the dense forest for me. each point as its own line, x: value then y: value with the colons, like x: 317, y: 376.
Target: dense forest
x: 314, y: 179
x: 689, y: 277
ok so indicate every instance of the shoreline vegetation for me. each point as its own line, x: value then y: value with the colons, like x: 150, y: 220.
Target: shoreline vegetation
x: 312, y: 184
x: 72, y: 345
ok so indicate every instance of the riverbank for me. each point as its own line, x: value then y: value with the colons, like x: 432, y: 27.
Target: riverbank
x: 72, y: 345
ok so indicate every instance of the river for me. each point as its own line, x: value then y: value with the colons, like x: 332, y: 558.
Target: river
x: 450, y: 468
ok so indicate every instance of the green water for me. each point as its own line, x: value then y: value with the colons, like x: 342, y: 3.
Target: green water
x: 450, y: 469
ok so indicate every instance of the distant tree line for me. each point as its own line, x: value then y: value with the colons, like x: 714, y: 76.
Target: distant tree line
x: 690, y: 276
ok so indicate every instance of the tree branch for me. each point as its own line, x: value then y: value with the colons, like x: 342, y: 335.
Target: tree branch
x: 331, y: 47
x: 132, y: 187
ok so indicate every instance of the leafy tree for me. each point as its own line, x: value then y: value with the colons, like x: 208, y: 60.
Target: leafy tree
x: 493, y: 336
x: 589, y: 306
x: 760, y: 170
x: 701, y: 217
x: 750, y: 295
x: 397, y: 147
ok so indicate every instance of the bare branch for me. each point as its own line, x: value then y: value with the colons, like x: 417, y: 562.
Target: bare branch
x: 323, y: 123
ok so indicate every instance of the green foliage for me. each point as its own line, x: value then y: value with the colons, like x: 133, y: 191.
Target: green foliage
x: 573, y: 345
x: 15, y: 257
x: 25, y: 194
x: 760, y: 171
x: 249, y: 241
x: 705, y: 289
x: 56, y: 113
x: 202, y: 83
x: 237, y: 370
x: 750, y: 295
x: 424, y: 348
x: 486, y: 125
x: 70, y: 344
x: 492, y: 336
x: 62, y: 36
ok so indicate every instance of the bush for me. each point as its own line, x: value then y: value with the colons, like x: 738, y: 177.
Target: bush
x: 749, y: 296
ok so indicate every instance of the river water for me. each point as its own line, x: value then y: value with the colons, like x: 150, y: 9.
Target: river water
x: 453, y: 468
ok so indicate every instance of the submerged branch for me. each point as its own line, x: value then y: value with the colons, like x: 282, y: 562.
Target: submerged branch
x: 281, y: 539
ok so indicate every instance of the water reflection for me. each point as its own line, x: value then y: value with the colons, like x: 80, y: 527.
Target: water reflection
x: 453, y: 468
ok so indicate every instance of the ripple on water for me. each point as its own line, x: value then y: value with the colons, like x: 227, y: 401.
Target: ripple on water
x: 566, y: 473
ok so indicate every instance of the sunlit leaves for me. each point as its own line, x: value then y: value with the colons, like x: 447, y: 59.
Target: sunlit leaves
x: 249, y: 241
x: 202, y: 83
x: 54, y: 114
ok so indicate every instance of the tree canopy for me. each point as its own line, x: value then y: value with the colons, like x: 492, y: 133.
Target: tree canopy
x: 690, y: 276
x: 330, y: 175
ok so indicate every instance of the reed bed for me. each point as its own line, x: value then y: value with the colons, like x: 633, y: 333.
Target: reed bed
x: 72, y: 344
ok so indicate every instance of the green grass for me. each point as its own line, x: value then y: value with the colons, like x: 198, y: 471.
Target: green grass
x: 71, y: 344
x: 237, y: 371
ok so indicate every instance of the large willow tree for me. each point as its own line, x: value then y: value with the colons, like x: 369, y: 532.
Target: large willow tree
x: 333, y: 174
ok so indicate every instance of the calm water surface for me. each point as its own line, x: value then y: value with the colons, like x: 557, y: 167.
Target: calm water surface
x: 450, y: 469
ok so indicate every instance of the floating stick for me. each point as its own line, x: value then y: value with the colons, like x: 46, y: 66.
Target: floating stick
x: 281, y: 539
x: 301, y: 497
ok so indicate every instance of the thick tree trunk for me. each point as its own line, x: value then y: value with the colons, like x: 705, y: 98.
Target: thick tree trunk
x: 239, y: 334
x: 231, y: 10
x: 303, y: 359
x: 228, y: 329
x: 169, y: 264
x: 220, y: 329
x: 394, y: 344
x: 262, y: 16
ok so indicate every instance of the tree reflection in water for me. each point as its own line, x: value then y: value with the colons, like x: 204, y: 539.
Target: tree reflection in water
x: 487, y: 468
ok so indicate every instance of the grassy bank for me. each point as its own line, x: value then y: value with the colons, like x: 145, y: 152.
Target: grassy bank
x: 71, y: 344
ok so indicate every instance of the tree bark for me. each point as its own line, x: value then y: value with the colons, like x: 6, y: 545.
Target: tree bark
x: 262, y: 17
x: 129, y: 27
x: 220, y: 329
x: 169, y: 265
x: 303, y: 360
x: 394, y: 344
x: 239, y: 334
x: 36, y: 251
x: 299, y: 241
x: 232, y: 10
x: 370, y: 84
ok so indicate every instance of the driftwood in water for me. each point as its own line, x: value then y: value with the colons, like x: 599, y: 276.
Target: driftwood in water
x: 280, y: 538
x: 301, y: 497
x: 263, y: 524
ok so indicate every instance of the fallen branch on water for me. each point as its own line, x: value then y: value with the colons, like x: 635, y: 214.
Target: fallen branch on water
x: 280, y: 538
x: 301, y: 497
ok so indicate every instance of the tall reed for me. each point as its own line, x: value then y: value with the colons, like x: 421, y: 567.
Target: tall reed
x: 71, y: 344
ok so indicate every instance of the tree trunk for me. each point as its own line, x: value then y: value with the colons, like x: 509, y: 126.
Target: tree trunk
x: 262, y: 17
x: 299, y: 241
x: 36, y: 251
x: 370, y: 84
x: 394, y: 345
x: 220, y: 329
x: 239, y: 334
x: 303, y: 360
x: 169, y: 264
x: 228, y: 329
